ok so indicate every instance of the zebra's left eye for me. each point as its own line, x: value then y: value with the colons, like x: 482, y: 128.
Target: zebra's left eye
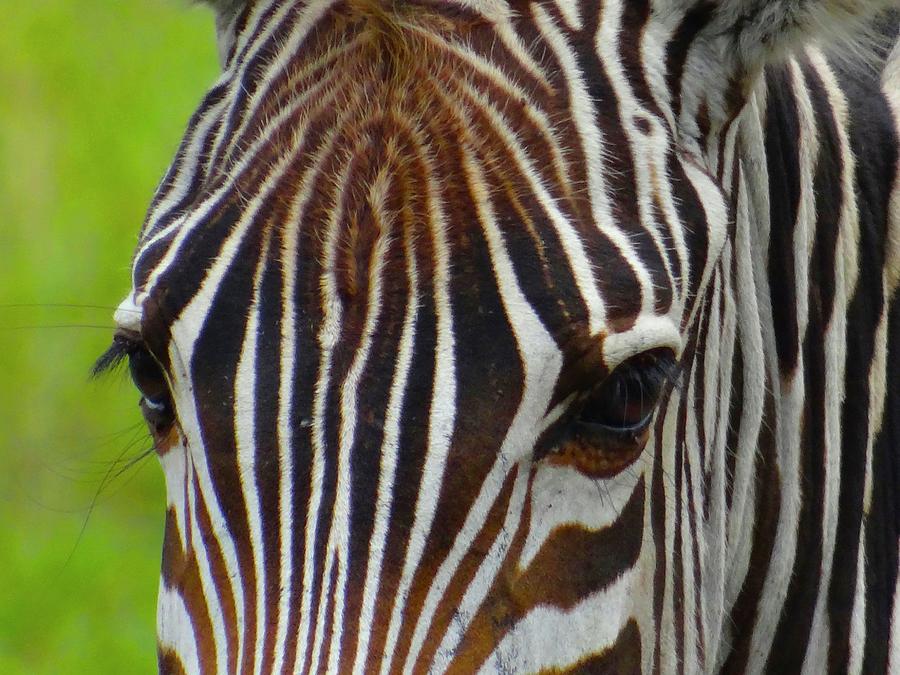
x: 609, y: 427
x: 626, y: 400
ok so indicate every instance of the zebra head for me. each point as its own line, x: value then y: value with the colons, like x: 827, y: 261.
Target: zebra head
x: 434, y: 317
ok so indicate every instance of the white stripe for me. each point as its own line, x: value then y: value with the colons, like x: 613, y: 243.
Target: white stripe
x: 655, y: 41
x: 198, y: 547
x: 715, y: 211
x: 246, y: 450
x: 690, y: 470
x: 175, y: 631
x: 713, y: 408
x: 584, y: 117
x: 739, y: 537
x: 571, y: 14
x: 174, y: 464
x: 390, y: 444
x: 857, y: 640
x: 339, y: 539
x: 285, y: 431
x: 789, y: 406
x: 550, y: 639
x: 835, y: 361
x: 591, y: 504
x: 666, y: 622
x: 542, y: 362
x: 714, y: 547
x: 328, y: 338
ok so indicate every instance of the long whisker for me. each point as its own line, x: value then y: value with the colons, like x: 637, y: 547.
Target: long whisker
x: 57, y: 326
x: 64, y: 305
x: 111, y: 475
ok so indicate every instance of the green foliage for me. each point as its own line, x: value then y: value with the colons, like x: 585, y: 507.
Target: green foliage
x: 94, y: 96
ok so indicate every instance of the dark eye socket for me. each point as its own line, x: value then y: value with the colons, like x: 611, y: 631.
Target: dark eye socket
x: 148, y: 378
x: 146, y: 374
x: 607, y: 429
x: 623, y: 404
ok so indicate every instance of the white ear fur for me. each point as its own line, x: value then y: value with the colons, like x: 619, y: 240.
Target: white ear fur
x: 759, y: 31
x: 226, y: 6
x: 736, y: 39
x: 226, y: 13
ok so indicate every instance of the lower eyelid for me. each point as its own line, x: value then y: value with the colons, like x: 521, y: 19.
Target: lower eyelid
x: 603, y: 428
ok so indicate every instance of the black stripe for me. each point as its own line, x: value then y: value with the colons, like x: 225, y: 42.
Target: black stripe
x: 267, y: 369
x: 874, y: 143
x: 782, y: 134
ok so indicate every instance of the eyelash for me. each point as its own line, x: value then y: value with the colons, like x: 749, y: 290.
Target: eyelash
x: 115, y: 356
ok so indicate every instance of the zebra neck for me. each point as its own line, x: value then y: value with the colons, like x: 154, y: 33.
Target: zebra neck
x: 808, y: 260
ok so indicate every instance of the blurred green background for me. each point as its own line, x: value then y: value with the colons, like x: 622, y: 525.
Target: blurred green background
x: 94, y: 95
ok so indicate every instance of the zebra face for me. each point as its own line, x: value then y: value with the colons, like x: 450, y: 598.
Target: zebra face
x: 418, y: 316
x: 416, y: 301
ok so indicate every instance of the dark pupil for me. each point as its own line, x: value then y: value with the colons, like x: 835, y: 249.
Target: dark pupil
x: 624, y: 400
x: 147, y: 375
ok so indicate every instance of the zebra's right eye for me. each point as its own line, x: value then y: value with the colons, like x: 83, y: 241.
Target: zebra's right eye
x: 148, y: 377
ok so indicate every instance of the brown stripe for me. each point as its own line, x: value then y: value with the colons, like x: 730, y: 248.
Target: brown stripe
x: 571, y: 565
x: 623, y: 658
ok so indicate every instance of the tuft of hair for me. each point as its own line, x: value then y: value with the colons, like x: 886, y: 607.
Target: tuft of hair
x: 224, y: 6
x: 384, y: 22
x: 394, y: 50
x: 227, y: 12
x: 762, y: 31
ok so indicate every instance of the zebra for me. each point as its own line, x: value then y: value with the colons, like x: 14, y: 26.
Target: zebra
x: 529, y: 336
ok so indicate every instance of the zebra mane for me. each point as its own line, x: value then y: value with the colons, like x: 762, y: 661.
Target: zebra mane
x: 747, y: 34
x: 760, y: 29
x: 758, y: 32
x: 384, y: 19
x: 226, y: 6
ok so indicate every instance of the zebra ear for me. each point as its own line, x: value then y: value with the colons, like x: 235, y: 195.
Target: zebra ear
x: 760, y: 31
x: 226, y: 6
x: 227, y: 12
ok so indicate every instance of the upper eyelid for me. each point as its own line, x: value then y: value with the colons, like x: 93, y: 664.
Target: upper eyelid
x: 662, y: 368
x: 129, y: 336
x: 664, y: 371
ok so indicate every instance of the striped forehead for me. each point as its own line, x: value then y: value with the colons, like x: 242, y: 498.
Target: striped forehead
x: 357, y: 139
